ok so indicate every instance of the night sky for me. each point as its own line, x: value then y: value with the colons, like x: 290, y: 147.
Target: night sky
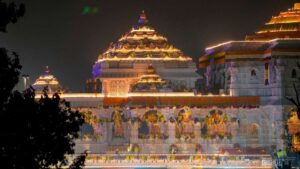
x: 57, y: 33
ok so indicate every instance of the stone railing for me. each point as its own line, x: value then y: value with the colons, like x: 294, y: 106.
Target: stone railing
x: 179, y: 161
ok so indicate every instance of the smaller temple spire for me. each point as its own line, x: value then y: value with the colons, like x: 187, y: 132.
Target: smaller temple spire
x: 143, y: 18
x: 47, y: 70
x: 47, y: 80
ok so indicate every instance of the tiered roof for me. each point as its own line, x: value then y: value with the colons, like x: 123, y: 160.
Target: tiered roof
x: 150, y: 81
x: 142, y: 42
x: 285, y: 25
x: 47, y: 80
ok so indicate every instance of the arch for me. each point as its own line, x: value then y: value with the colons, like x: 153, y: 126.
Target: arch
x: 152, y: 125
x: 253, y: 73
x: 294, y: 73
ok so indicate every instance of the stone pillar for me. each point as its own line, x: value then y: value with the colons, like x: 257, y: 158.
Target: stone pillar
x: 134, y: 132
x: 104, y: 132
x: 234, y: 81
x: 171, y: 132
x: 197, y: 131
x: 109, y: 131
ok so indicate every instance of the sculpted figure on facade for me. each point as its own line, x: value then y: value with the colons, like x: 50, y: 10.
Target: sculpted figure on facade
x: 215, y: 124
x: 92, y: 126
x: 117, y: 118
x: 185, y: 124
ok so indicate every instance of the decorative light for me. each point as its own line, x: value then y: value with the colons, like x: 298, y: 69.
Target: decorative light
x: 145, y: 59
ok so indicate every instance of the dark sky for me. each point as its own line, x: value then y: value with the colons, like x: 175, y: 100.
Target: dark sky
x: 55, y: 33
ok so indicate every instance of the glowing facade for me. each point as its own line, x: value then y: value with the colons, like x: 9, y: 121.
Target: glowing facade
x: 140, y: 110
x: 144, y: 107
x: 265, y: 65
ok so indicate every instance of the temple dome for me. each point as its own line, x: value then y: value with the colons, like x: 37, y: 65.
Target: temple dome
x: 142, y: 41
x: 47, y: 80
x: 285, y: 25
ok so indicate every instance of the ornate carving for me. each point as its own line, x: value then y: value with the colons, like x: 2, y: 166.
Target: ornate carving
x: 185, y: 124
x: 153, y: 124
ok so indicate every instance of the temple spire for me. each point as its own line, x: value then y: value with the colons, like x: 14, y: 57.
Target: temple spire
x: 143, y: 18
x: 47, y: 70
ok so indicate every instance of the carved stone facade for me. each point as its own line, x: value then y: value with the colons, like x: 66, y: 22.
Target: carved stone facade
x: 267, y: 69
x: 248, y: 127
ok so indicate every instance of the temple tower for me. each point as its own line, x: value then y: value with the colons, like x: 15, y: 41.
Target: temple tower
x: 125, y: 61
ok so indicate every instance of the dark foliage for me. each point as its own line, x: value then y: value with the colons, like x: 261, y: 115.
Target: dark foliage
x: 9, y: 61
x: 297, y: 101
x: 78, y: 162
x: 38, y: 133
x: 9, y: 73
x: 9, y: 13
x: 34, y: 133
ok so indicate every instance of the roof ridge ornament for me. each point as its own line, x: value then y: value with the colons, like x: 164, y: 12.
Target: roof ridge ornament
x: 143, y: 18
x: 47, y: 70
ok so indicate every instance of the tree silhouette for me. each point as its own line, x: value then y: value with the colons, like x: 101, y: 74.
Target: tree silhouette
x: 9, y: 13
x: 295, y: 102
x: 34, y: 133
x: 9, y: 61
x: 78, y: 162
x: 10, y: 71
x: 39, y: 133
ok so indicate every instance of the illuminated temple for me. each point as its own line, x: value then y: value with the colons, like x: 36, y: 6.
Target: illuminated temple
x: 125, y: 61
x: 143, y: 108
x: 47, y: 81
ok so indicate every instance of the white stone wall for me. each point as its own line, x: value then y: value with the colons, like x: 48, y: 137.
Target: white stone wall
x: 243, y: 83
